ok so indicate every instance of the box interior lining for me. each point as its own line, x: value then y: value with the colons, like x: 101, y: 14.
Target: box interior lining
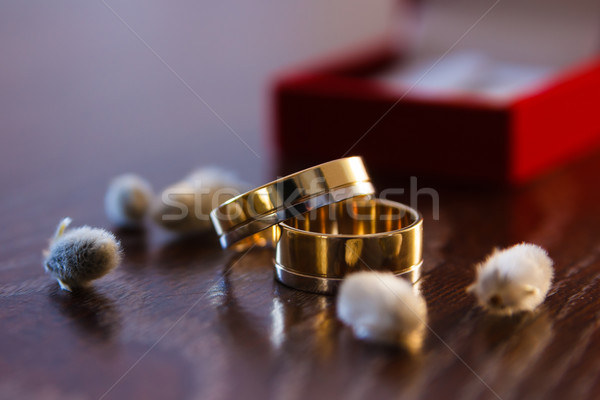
x: 516, y: 48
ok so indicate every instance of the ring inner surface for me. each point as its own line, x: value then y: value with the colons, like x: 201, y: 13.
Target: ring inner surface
x: 355, y: 217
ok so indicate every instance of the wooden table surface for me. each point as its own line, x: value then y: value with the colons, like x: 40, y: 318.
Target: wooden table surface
x: 83, y: 100
x: 183, y: 319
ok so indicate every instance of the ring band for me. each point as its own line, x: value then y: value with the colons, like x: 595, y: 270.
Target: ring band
x: 245, y: 216
x: 317, y: 250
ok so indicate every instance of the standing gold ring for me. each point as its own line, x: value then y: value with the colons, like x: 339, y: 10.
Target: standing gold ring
x: 317, y: 250
x: 248, y: 216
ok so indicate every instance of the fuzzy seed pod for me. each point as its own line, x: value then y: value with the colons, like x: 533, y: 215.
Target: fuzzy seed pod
x: 80, y: 255
x: 127, y: 200
x: 514, y: 279
x: 383, y: 308
x: 185, y: 206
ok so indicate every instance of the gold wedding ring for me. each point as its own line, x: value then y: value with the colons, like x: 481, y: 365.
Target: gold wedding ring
x: 317, y: 250
x: 251, y: 218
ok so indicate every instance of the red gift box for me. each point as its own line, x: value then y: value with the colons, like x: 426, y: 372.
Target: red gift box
x: 474, y: 119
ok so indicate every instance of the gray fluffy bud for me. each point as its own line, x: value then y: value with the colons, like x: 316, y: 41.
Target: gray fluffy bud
x: 127, y: 200
x: 80, y: 255
x: 383, y: 308
x: 184, y: 207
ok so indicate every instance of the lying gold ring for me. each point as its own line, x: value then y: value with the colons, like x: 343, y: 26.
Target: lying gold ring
x: 245, y: 216
x: 315, y: 251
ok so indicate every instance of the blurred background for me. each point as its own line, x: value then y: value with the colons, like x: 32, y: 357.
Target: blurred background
x: 104, y: 87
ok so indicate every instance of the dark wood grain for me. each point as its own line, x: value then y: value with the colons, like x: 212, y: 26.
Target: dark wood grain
x: 183, y: 319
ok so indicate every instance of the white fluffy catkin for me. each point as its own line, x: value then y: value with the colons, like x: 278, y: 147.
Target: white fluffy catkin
x: 77, y: 256
x: 127, y: 200
x: 383, y: 308
x: 184, y: 207
x: 513, y: 280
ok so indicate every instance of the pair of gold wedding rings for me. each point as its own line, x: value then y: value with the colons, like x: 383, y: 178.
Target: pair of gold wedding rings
x: 324, y: 223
